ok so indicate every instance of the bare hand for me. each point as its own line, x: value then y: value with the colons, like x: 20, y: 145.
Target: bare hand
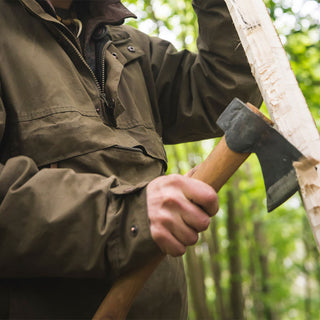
x: 179, y: 207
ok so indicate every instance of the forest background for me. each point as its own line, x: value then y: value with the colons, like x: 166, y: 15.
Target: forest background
x: 249, y: 264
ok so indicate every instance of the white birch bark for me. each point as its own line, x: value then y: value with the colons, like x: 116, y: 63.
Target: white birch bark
x: 285, y: 102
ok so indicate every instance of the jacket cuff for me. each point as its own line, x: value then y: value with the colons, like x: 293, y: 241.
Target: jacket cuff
x: 131, y: 243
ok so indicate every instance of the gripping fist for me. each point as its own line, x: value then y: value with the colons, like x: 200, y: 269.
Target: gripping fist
x: 179, y: 207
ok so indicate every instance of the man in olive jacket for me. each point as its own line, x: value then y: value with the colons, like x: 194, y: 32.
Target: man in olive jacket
x: 86, y: 104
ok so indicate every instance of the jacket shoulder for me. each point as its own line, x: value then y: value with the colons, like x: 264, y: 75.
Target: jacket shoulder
x: 124, y: 32
x: 7, y: 7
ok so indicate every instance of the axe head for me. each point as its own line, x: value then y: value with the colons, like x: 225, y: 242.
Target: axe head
x: 246, y: 131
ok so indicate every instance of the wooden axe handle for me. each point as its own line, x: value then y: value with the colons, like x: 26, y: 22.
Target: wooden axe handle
x: 215, y: 171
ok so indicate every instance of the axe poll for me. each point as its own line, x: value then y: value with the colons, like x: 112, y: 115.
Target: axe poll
x: 246, y: 130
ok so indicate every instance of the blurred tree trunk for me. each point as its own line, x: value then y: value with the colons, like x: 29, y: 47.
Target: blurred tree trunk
x: 261, y: 244
x: 195, y: 269
x: 257, y: 256
x: 316, y: 258
x: 307, y: 246
x: 254, y: 287
x: 216, y: 269
x: 177, y: 159
x: 233, y: 227
x: 196, y: 285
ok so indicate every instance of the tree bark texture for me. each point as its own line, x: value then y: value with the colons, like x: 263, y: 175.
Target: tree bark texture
x: 282, y: 95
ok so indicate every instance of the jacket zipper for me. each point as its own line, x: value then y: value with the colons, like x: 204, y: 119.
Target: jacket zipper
x: 100, y: 62
x: 77, y: 50
x: 101, y: 47
x: 109, y: 108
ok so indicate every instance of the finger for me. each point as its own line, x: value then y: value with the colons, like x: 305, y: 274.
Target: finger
x: 194, y: 216
x: 188, y: 213
x: 167, y: 242
x: 183, y: 211
x: 202, y: 194
x: 184, y: 233
x: 172, y: 220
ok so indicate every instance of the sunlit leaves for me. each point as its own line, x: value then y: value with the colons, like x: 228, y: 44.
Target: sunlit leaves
x: 173, y: 20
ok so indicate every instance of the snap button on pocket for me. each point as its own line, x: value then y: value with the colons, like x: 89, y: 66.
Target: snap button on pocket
x: 115, y: 55
x: 134, y: 230
x: 131, y: 49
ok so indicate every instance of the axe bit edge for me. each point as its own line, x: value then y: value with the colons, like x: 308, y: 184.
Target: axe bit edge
x: 248, y: 130
x: 281, y: 190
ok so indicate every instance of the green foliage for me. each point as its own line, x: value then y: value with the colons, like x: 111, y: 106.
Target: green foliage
x: 171, y: 19
x: 280, y: 265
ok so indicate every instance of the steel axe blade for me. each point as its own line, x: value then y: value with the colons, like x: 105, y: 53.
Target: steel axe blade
x: 246, y: 132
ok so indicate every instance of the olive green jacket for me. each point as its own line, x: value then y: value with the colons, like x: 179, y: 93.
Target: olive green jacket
x: 67, y: 232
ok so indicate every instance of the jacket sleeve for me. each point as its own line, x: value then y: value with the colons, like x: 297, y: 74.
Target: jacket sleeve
x: 58, y: 223
x: 193, y: 89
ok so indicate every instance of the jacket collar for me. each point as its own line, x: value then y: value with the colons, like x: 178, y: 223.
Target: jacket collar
x: 106, y: 11
x: 111, y: 11
x: 91, y: 12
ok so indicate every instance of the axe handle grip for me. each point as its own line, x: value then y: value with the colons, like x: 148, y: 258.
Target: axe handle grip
x: 218, y: 167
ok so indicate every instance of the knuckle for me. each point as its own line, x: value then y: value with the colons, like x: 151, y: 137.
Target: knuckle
x: 212, y: 203
x: 212, y: 196
x: 179, y: 251
x: 204, y: 223
x: 176, y: 179
x: 166, y: 219
x: 169, y: 198
x: 173, y: 200
x: 157, y: 235
x: 193, y: 239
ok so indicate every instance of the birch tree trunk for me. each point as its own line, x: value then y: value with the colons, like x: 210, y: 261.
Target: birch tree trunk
x: 282, y: 95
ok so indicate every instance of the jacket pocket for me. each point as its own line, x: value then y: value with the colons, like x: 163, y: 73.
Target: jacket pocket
x: 126, y: 83
x: 59, y: 135
x: 56, y: 134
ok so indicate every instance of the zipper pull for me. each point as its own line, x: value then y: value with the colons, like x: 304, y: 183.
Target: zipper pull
x: 109, y: 110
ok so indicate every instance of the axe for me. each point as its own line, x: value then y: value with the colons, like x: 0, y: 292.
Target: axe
x: 246, y: 130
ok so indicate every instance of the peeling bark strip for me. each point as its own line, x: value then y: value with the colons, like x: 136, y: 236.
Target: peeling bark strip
x: 309, y: 182
x: 285, y: 102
